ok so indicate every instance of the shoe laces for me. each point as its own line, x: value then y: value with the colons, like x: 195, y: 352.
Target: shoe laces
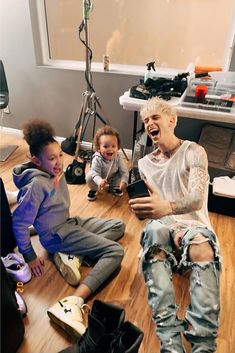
x: 84, y: 309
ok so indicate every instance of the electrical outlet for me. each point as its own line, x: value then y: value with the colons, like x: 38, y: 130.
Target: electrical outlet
x: 7, y: 110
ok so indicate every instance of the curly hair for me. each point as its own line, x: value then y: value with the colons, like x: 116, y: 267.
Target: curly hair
x: 38, y: 134
x: 106, y: 130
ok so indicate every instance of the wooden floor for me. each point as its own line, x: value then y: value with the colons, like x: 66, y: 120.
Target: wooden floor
x: 127, y: 289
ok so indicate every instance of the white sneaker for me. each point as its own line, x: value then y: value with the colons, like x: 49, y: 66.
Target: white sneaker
x: 12, y: 197
x: 69, y: 266
x: 17, y: 268
x: 69, y: 315
x: 22, y: 307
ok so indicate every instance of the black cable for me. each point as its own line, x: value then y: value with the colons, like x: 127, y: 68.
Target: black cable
x: 89, y: 82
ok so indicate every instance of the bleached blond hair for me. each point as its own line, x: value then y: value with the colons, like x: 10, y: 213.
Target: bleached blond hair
x: 157, y: 106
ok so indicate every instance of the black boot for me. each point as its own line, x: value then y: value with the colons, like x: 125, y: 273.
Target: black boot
x: 128, y: 340
x: 104, y: 321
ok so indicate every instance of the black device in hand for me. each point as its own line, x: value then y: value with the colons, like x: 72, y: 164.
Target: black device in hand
x: 137, y: 189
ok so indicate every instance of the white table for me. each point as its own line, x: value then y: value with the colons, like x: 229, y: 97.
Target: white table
x: 134, y: 104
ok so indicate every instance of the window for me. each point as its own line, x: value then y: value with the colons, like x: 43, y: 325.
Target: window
x: 173, y: 33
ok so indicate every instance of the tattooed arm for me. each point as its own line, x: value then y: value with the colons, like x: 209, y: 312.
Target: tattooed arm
x: 154, y: 207
x: 198, y: 174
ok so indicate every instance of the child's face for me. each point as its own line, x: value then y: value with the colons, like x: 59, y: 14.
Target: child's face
x: 108, y: 146
x: 51, y: 159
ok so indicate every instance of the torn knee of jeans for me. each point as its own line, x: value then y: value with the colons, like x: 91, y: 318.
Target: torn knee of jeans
x: 201, y: 249
x: 155, y: 252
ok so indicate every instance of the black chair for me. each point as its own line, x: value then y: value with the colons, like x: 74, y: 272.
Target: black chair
x: 5, y: 150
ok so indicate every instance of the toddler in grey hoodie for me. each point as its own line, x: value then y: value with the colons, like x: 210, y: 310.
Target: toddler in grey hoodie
x: 108, y: 168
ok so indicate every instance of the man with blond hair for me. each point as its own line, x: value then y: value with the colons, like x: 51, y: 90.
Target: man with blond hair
x: 178, y: 236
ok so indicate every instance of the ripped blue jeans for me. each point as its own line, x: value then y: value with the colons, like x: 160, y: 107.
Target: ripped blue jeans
x: 202, y: 316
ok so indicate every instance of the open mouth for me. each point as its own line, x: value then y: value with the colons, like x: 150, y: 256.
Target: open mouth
x: 154, y: 132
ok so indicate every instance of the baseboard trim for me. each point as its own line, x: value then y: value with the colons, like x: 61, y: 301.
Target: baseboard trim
x: 84, y: 144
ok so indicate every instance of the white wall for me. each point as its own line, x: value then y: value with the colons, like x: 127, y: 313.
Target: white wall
x: 52, y: 94
x: 56, y: 94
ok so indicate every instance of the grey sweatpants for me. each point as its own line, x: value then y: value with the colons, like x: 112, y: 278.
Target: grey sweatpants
x: 92, y: 237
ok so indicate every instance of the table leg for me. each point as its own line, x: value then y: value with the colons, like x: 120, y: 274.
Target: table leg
x: 134, y: 131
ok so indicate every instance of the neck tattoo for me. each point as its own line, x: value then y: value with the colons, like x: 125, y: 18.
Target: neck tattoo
x: 170, y: 153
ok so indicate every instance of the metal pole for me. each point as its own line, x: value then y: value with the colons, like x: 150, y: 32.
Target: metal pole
x: 86, y: 12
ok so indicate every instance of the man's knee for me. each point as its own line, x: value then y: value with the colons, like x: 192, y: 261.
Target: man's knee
x: 201, y: 250
x: 156, y: 254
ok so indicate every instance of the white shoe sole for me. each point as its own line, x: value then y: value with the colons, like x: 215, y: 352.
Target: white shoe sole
x: 73, y: 332
x: 24, y: 277
x: 66, y: 271
x: 22, y: 307
x: 92, y: 198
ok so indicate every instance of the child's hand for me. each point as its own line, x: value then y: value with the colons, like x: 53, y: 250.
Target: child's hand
x: 104, y: 184
x: 122, y: 186
x: 36, y: 266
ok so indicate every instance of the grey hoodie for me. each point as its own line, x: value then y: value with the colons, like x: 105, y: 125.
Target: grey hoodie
x: 116, y: 169
x: 41, y: 203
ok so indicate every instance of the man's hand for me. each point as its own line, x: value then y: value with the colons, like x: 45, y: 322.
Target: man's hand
x: 152, y: 207
x: 36, y: 266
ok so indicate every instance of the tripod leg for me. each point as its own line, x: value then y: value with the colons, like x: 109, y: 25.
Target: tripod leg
x: 79, y: 126
x: 86, y: 120
x: 102, y: 119
x: 93, y: 133
x: 123, y: 151
x: 82, y: 110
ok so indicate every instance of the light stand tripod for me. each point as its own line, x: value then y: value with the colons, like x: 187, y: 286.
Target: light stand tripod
x: 89, y: 100
x: 88, y: 108
x: 75, y: 172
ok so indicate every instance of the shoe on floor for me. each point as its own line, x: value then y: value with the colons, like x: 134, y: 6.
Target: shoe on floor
x: 91, y: 195
x: 116, y: 191
x: 128, y: 339
x: 104, y: 321
x: 69, y: 315
x: 12, y: 197
x: 17, y: 268
x: 69, y: 266
x: 22, y: 307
